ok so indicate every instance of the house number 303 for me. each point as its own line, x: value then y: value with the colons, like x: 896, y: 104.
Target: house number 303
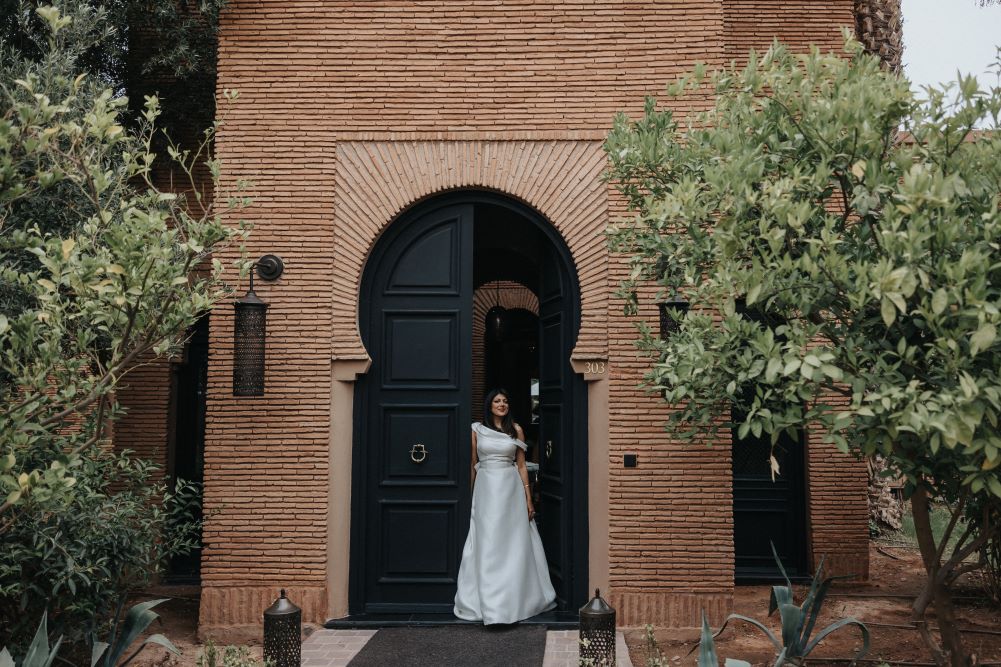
x: 594, y: 367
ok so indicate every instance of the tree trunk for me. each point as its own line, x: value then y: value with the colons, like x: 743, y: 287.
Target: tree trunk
x: 878, y: 26
x: 952, y: 651
x: 885, y: 507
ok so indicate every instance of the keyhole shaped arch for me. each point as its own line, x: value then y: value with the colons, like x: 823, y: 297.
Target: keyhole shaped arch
x: 561, y: 180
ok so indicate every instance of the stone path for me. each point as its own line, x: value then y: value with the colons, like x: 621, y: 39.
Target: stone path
x: 335, y: 648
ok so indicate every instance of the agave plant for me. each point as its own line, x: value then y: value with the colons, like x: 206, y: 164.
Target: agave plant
x: 125, y: 631
x: 799, y: 622
x: 707, y: 650
x: 39, y: 654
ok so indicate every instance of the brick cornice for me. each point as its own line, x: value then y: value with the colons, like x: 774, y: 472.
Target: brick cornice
x: 378, y: 180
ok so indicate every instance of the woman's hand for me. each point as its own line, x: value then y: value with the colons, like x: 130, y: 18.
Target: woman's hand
x: 531, y: 511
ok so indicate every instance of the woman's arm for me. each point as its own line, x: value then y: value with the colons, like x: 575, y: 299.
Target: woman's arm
x: 472, y: 465
x: 519, y: 458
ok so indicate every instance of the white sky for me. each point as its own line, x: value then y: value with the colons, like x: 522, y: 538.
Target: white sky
x: 941, y: 36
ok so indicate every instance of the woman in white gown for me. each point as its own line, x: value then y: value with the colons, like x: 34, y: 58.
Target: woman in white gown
x: 503, y: 577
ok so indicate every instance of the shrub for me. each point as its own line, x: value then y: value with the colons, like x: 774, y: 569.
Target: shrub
x: 81, y: 559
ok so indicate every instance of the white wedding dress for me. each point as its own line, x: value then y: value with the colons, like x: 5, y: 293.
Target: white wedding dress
x: 503, y: 577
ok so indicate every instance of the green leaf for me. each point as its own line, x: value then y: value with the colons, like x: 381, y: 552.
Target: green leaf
x: 97, y: 652
x: 995, y: 486
x: 837, y: 626
x: 939, y: 301
x: 760, y: 626
x: 888, y: 311
x: 752, y: 294
x: 983, y: 338
x: 707, y: 646
x: 772, y: 369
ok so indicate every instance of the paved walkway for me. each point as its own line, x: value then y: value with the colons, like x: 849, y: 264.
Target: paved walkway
x: 335, y: 648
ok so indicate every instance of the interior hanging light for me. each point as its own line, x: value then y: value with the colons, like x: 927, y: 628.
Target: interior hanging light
x: 497, y: 318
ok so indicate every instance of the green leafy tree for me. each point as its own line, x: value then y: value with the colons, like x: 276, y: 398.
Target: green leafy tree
x: 839, y: 241
x: 163, y: 47
x: 99, y: 271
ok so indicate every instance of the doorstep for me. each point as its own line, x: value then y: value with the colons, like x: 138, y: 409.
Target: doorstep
x: 554, y: 620
x: 336, y: 648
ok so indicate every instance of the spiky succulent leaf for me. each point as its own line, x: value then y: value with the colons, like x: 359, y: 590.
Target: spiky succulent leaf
x: 707, y: 646
x: 837, y: 625
x: 792, y: 627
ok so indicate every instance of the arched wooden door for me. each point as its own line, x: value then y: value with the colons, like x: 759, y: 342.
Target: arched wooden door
x: 414, y: 414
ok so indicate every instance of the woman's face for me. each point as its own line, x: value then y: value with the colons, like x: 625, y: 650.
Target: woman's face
x: 499, y: 406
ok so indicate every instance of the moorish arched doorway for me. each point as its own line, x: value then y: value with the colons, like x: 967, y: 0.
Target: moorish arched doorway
x: 410, y: 473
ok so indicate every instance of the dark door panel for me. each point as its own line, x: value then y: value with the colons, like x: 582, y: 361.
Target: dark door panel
x: 556, y: 459
x: 412, y: 507
x: 767, y: 512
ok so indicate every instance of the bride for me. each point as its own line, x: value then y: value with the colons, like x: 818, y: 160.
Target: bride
x: 503, y: 577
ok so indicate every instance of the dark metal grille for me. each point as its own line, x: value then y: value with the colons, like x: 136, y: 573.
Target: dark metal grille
x: 671, y: 313
x: 282, y: 634
x: 249, y: 333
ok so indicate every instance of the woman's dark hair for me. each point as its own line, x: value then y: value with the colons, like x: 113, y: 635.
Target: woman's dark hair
x: 507, y: 422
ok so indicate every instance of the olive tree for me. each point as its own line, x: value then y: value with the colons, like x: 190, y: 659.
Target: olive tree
x: 838, y: 238
x: 99, y: 270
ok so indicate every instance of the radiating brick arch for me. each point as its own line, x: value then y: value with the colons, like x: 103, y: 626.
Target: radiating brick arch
x: 377, y: 180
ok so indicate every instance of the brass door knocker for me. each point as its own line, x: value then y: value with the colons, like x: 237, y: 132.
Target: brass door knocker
x: 418, y: 453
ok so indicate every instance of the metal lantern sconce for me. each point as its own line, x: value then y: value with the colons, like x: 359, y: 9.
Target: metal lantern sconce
x: 671, y: 312
x: 250, y: 331
x: 597, y: 632
x: 282, y: 633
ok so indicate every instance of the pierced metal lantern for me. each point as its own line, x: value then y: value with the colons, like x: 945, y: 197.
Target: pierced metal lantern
x: 250, y: 331
x: 497, y: 323
x: 671, y: 312
x: 282, y: 632
x: 597, y: 633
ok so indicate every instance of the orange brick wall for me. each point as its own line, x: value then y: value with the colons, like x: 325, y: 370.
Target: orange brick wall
x: 312, y: 75
x: 145, y: 397
x: 754, y: 24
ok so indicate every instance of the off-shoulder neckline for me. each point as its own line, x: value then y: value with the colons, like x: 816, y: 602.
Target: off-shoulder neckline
x: 522, y: 444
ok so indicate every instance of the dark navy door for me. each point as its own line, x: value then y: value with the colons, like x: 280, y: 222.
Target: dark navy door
x: 413, y: 444
x: 767, y: 511
x: 556, y: 431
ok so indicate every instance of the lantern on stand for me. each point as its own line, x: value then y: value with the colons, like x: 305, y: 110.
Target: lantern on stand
x: 282, y: 633
x: 597, y: 633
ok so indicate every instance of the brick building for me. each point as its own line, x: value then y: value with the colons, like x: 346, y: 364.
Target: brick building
x: 415, y: 164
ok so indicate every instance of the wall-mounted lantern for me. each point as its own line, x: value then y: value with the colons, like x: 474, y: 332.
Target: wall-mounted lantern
x: 597, y: 632
x: 671, y: 312
x: 282, y: 633
x: 250, y: 331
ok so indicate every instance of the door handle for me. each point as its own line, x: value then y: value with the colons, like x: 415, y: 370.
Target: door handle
x: 549, y: 449
x: 418, y: 453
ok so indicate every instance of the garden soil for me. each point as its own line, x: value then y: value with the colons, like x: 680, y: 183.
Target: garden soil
x: 883, y: 603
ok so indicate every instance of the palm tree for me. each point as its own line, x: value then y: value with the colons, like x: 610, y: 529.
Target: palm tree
x: 878, y: 26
